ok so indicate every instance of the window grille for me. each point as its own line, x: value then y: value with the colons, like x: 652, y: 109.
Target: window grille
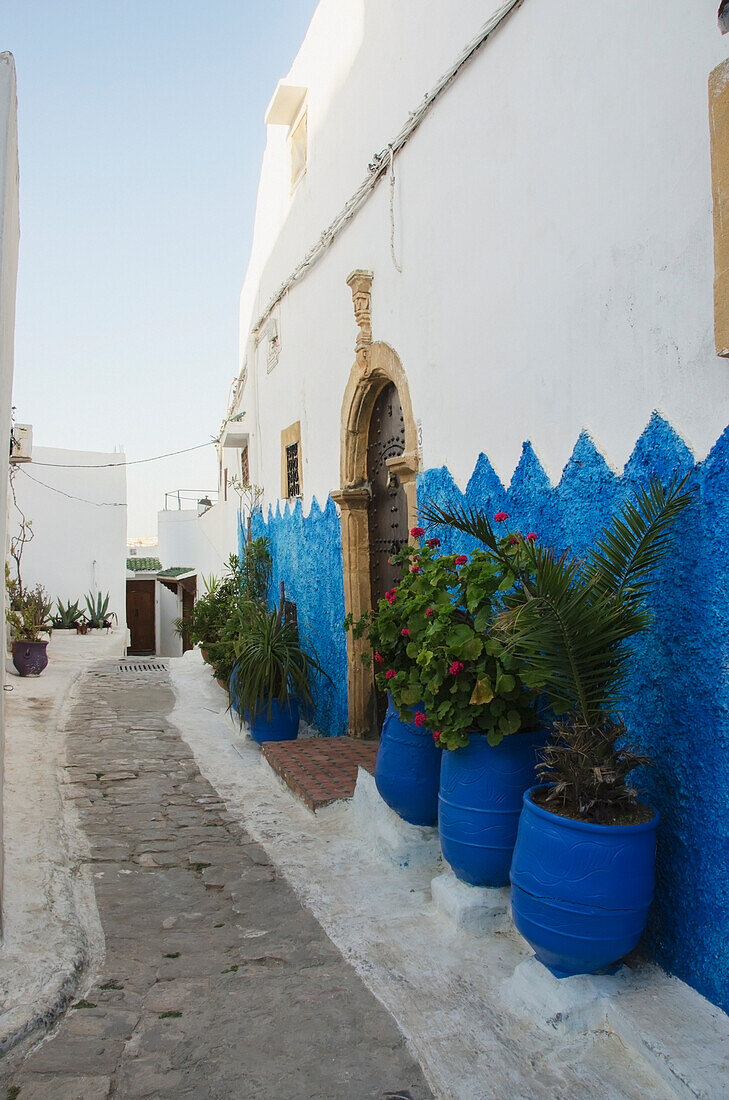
x: 245, y: 468
x: 292, y: 470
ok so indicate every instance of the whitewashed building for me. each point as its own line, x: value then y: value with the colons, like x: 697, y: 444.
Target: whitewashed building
x: 490, y: 260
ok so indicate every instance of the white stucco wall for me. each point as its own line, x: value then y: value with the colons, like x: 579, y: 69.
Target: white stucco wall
x: 168, y: 607
x: 202, y: 543
x: 9, y: 237
x: 553, y: 224
x: 79, y: 545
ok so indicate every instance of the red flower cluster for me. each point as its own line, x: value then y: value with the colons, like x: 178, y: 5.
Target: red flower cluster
x: 429, y: 612
x: 436, y: 735
x: 405, y: 632
x: 379, y: 658
x: 417, y: 532
x: 513, y: 540
x: 391, y: 596
x: 433, y: 543
x: 455, y: 668
x: 460, y: 559
x: 390, y: 673
x: 415, y: 569
x: 419, y: 719
x: 501, y: 516
x: 532, y: 536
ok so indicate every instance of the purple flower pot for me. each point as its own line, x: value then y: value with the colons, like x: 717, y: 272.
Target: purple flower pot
x: 30, y: 658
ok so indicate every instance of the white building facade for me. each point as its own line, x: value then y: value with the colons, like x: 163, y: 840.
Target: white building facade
x: 489, y: 256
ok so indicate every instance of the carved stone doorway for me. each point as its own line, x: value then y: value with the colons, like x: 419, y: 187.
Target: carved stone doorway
x: 377, y: 381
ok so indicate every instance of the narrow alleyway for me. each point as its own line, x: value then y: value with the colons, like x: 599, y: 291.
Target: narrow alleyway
x: 216, y: 982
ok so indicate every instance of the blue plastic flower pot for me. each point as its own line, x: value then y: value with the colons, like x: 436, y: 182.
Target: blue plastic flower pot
x: 407, y: 769
x: 580, y: 892
x: 280, y: 724
x: 481, y: 791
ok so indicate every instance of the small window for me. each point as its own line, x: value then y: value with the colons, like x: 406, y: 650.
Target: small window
x: 292, y: 470
x: 245, y: 468
x: 297, y: 142
x: 291, y: 465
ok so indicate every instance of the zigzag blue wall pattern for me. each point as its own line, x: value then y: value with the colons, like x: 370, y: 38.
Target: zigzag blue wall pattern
x: 676, y: 704
x: 307, y: 557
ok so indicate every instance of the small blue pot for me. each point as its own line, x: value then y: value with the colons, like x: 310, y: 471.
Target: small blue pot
x: 481, y: 791
x: 580, y: 893
x: 407, y: 769
x: 281, y: 723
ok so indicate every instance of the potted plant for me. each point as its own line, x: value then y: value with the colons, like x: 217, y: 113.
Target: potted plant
x: 271, y: 674
x: 29, y: 615
x: 480, y: 707
x: 583, y: 868
x: 67, y: 616
x: 98, y: 615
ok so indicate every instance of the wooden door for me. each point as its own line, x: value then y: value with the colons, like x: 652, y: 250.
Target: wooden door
x: 388, y: 510
x: 140, y: 616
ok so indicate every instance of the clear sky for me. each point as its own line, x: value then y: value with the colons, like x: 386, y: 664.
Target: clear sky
x: 141, y: 135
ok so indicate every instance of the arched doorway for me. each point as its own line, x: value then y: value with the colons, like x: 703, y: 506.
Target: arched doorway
x: 377, y: 368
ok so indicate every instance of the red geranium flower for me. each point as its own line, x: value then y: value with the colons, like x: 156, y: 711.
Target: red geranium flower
x: 532, y: 536
x: 390, y: 673
x: 436, y: 735
x: 432, y: 543
x: 513, y: 540
x: 379, y: 658
x: 415, y: 569
x: 430, y: 612
x: 460, y: 559
x: 419, y: 719
x: 391, y: 595
x: 417, y: 532
x: 501, y: 516
x: 455, y: 668
x: 405, y: 632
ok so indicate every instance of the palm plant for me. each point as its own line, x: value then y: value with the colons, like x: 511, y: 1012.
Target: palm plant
x: 271, y: 663
x: 568, y: 620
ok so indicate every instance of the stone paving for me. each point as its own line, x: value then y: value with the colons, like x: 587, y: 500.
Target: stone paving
x: 216, y: 982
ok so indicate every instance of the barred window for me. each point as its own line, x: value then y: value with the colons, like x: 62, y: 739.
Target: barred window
x: 245, y: 468
x: 292, y: 469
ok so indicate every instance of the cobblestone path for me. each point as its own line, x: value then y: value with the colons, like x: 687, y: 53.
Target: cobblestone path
x: 216, y: 982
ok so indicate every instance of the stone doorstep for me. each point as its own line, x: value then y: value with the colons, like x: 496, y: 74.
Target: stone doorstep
x: 320, y: 770
x: 473, y: 909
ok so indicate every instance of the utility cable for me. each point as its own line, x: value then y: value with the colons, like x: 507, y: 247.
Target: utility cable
x: 96, y: 503
x: 130, y: 462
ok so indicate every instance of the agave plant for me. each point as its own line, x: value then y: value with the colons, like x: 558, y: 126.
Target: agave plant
x: 568, y: 621
x: 97, y: 611
x: 67, y: 616
x: 271, y: 663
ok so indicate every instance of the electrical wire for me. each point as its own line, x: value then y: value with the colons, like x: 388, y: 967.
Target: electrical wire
x: 131, y: 462
x: 96, y: 503
x: 382, y: 161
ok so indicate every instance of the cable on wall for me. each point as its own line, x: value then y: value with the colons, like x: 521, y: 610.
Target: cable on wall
x: 392, y: 211
x: 382, y: 160
x: 96, y: 503
x: 130, y: 462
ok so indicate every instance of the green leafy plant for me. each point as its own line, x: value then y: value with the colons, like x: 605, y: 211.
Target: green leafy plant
x: 221, y: 614
x: 434, y: 650
x: 97, y: 611
x: 29, y: 613
x: 271, y: 663
x: 67, y: 616
x: 568, y: 620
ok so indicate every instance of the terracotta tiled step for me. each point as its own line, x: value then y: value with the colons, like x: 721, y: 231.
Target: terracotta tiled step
x: 320, y: 770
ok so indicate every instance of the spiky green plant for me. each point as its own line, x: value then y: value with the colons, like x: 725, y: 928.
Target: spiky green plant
x: 568, y: 621
x: 67, y: 615
x: 97, y: 610
x: 271, y: 663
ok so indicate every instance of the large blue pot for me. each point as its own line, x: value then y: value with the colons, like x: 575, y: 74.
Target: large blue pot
x: 407, y: 769
x: 481, y: 791
x: 281, y: 723
x: 580, y: 893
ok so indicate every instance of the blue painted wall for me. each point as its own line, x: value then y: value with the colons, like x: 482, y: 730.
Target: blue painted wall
x: 676, y: 704
x: 307, y: 557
